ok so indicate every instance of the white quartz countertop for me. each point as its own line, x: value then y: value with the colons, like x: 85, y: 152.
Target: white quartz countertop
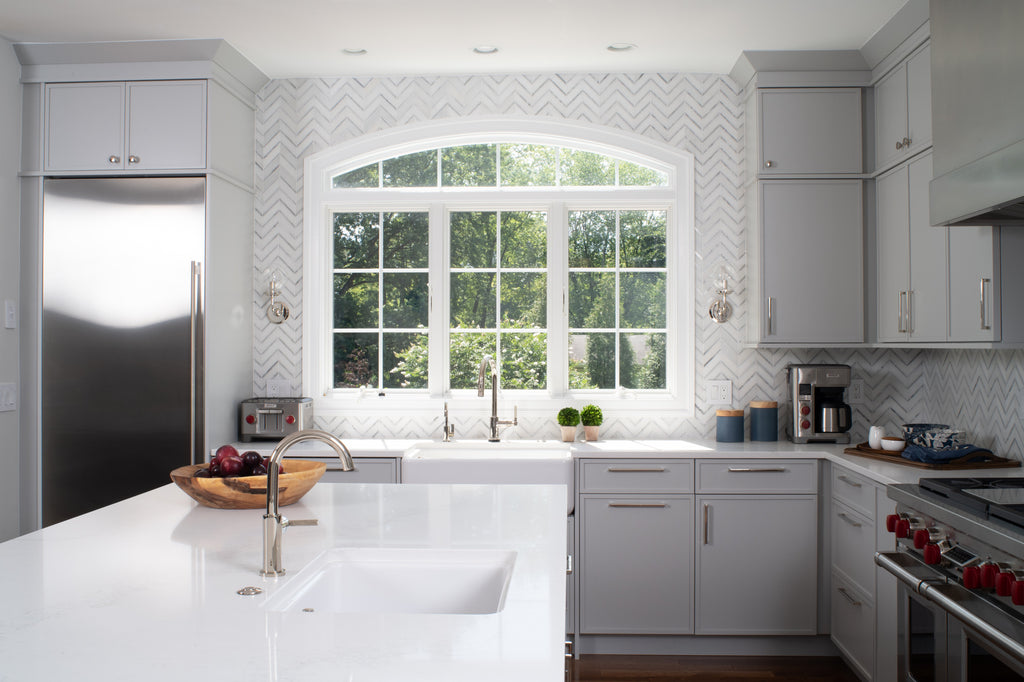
x: 882, y: 472
x: 146, y: 590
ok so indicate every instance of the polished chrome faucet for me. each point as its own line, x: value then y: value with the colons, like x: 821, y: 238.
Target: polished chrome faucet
x: 448, y: 430
x: 273, y: 523
x: 495, y: 422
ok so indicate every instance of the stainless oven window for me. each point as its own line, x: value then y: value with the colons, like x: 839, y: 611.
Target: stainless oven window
x: 921, y: 637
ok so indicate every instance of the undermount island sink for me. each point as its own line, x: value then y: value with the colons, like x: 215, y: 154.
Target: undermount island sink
x: 399, y: 580
x: 484, y: 462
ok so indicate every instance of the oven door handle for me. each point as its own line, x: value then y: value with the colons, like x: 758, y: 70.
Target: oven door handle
x: 999, y: 630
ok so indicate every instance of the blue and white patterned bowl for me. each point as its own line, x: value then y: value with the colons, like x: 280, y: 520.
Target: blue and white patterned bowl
x: 934, y: 436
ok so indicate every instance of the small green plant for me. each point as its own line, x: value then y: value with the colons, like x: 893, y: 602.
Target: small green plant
x: 568, y: 416
x: 591, y: 415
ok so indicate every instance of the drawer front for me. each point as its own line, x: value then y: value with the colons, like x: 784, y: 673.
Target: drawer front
x: 636, y: 475
x: 368, y: 470
x: 853, y: 626
x: 757, y: 476
x: 853, y: 546
x: 855, y: 491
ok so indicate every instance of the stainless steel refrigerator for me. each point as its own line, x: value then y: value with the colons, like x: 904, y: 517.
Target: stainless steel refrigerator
x: 122, y: 338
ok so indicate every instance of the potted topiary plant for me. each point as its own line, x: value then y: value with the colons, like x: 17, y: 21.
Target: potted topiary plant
x: 568, y: 419
x: 591, y: 417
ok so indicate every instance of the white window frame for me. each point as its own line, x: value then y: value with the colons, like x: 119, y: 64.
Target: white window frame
x: 321, y: 200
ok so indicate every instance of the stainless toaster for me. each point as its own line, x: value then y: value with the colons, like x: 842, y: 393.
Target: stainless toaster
x: 274, y: 417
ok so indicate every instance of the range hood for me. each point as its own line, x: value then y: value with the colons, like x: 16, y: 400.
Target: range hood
x: 977, y: 112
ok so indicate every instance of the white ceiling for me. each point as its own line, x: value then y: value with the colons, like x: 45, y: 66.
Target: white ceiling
x: 303, y: 38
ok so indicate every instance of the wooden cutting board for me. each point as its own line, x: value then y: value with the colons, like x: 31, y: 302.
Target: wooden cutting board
x: 976, y: 460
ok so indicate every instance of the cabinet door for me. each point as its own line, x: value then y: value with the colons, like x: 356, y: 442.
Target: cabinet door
x: 853, y: 626
x: 636, y: 564
x: 928, y: 259
x: 814, y: 130
x: 757, y: 559
x: 890, y: 117
x: 919, y: 100
x: 973, y: 299
x: 812, y: 261
x: 166, y: 125
x: 892, y: 213
x: 84, y: 126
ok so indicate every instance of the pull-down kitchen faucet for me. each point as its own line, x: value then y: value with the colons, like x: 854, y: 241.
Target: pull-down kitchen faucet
x: 495, y: 422
x: 273, y: 523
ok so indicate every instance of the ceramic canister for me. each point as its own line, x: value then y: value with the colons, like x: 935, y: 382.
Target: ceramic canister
x: 729, y: 426
x: 764, y: 420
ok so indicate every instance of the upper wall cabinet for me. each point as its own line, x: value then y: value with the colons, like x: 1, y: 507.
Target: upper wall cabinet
x: 125, y: 126
x: 903, y: 115
x: 810, y: 131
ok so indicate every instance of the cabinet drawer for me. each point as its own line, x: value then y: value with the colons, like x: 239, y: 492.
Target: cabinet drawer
x: 855, y: 491
x: 853, y: 546
x: 757, y: 476
x: 853, y: 626
x: 636, y: 475
x: 368, y: 470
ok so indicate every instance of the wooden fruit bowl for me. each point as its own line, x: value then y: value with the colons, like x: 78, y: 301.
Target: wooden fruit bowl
x: 248, y: 492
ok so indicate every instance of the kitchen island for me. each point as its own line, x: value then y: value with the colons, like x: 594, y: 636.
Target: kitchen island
x: 147, y: 589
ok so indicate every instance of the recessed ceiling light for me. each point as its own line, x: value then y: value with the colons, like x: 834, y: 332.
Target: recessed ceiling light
x: 621, y: 47
x: 353, y: 51
x: 485, y: 49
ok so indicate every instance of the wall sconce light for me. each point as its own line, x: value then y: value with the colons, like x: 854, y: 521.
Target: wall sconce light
x: 721, y: 310
x: 277, y: 312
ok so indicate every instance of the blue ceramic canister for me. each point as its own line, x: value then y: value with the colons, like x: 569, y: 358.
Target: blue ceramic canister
x: 729, y: 426
x: 764, y: 420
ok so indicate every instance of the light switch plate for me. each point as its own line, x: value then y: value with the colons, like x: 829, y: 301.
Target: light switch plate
x: 10, y: 314
x: 856, y: 393
x: 719, y: 392
x: 8, y: 397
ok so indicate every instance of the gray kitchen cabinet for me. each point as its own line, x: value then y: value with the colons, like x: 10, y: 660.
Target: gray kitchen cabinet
x: 635, y: 550
x: 863, y: 596
x: 636, y: 564
x: 807, y: 264
x: 903, y: 114
x: 125, y: 126
x: 368, y: 470
x: 912, y: 259
x: 756, y: 553
x: 974, y: 291
x: 810, y: 131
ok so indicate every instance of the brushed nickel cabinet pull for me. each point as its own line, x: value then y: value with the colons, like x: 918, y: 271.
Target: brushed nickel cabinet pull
x: 850, y: 521
x: 848, y: 481
x: 638, y: 505
x: 635, y: 470
x: 707, y: 509
x: 747, y: 470
x: 771, y: 316
x: 849, y: 597
x: 984, y: 326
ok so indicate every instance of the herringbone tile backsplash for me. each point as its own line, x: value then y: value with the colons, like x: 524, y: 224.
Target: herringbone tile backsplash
x: 700, y: 114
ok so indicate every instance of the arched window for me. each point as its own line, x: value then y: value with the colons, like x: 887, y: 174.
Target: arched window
x: 564, y: 252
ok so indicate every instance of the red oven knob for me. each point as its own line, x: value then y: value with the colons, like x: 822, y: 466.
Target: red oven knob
x: 1004, y: 584
x: 805, y: 410
x: 805, y: 424
x: 972, y: 578
x: 988, y: 575
x: 1017, y: 592
x: 289, y: 419
x: 932, y: 554
x: 903, y: 528
x: 890, y: 522
x: 250, y: 419
x: 921, y: 538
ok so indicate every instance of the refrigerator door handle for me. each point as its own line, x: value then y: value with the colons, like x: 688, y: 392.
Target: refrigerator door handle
x: 197, y: 326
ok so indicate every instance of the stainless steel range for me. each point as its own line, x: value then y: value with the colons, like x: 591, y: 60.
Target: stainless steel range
x: 960, y: 567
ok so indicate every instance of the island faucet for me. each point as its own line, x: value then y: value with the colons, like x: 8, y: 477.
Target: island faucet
x: 495, y: 422
x: 273, y: 523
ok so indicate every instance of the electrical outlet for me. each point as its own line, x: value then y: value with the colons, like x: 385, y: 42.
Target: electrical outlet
x: 856, y: 391
x: 8, y: 397
x: 719, y: 392
x: 10, y: 315
x: 278, y: 388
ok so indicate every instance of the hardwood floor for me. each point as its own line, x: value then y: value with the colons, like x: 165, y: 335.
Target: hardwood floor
x: 605, y: 668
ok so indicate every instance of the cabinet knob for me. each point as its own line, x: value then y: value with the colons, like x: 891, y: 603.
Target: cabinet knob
x: 769, y: 164
x: 899, y: 145
x: 906, y: 142
x: 114, y: 159
x: 133, y: 159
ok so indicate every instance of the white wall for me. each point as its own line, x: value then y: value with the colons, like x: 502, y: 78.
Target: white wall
x: 10, y: 233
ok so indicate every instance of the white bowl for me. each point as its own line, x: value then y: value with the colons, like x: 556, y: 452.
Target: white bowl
x: 892, y: 444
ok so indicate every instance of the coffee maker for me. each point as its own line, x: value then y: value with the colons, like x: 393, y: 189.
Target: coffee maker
x: 818, y: 412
